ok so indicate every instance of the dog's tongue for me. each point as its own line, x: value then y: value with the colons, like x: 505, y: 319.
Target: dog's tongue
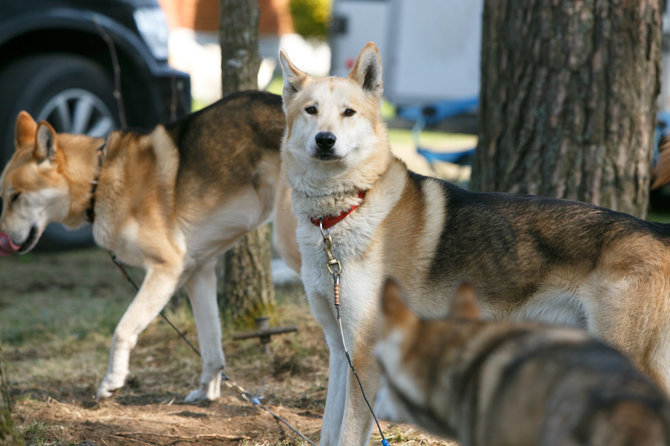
x: 7, y: 247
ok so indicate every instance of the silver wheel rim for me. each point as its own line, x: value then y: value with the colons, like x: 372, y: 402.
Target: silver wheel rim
x: 78, y: 111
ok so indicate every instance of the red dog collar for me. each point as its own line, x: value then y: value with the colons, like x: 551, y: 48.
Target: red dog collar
x: 330, y: 220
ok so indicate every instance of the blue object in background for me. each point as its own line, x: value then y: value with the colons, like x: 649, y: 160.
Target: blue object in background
x: 433, y: 114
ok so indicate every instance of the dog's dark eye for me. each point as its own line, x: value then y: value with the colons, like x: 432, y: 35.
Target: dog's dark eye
x: 15, y: 196
x: 348, y: 112
x: 311, y: 110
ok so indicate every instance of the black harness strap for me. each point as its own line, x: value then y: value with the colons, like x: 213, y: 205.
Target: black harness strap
x: 90, y: 211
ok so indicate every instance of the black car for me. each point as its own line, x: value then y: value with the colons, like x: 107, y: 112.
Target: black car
x: 86, y: 66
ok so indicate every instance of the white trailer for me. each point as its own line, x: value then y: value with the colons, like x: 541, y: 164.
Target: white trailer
x: 430, y: 48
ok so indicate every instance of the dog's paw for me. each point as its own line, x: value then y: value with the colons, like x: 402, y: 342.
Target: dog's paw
x: 196, y: 395
x: 106, y: 391
x: 109, y: 385
x: 206, y: 392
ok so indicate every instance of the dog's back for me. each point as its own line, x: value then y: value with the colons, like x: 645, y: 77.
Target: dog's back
x: 202, y: 182
x: 221, y: 147
x: 503, y: 383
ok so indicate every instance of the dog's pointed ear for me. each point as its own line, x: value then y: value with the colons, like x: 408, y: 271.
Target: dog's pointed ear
x: 25, y: 129
x: 395, y: 312
x: 294, y: 79
x: 464, y: 303
x: 45, y: 142
x: 367, y: 70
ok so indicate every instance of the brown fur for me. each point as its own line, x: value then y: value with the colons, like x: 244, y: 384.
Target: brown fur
x: 516, y: 384
x: 168, y: 201
x: 549, y: 260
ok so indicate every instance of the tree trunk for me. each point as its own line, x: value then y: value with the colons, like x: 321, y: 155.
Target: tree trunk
x: 247, y: 290
x: 8, y: 433
x: 568, y: 100
x: 247, y: 287
x: 238, y: 36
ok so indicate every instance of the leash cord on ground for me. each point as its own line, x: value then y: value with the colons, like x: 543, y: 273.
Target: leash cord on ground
x: 256, y: 401
x: 246, y: 396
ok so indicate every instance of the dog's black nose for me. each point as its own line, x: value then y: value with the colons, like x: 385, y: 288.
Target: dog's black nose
x: 325, y: 140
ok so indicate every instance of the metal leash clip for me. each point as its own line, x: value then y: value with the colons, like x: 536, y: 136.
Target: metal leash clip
x: 334, y: 266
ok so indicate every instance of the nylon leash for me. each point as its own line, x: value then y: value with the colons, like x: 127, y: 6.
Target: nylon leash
x: 252, y: 398
x: 335, y: 269
x: 256, y: 401
x: 162, y: 313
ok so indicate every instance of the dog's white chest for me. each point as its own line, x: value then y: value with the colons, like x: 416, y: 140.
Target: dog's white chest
x: 124, y: 243
x: 359, y: 279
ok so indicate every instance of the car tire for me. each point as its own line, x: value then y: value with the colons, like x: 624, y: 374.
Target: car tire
x: 51, y: 87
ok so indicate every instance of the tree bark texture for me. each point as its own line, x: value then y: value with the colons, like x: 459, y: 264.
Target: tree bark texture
x: 247, y: 289
x: 9, y: 435
x: 568, y: 100
x: 238, y: 36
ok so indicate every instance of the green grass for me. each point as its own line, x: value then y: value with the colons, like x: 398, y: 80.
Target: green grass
x: 432, y: 139
x: 659, y: 215
x: 36, y: 433
x: 88, y: 299
x: 275, y: 85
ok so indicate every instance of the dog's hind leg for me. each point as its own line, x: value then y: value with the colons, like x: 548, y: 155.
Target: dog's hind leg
x: 158, y: 286
x: 648, y: 348
x: 633, y: 314
x: 201, y: 287
x: 660, y: 358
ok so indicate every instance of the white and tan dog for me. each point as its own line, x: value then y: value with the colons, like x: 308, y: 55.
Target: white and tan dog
x: 168, y: 201
x: 529, y: 257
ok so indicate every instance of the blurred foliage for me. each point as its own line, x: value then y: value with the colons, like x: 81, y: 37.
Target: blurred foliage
x: 311, y: 17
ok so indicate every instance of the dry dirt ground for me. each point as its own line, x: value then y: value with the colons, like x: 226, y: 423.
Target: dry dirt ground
x: 57, y: 315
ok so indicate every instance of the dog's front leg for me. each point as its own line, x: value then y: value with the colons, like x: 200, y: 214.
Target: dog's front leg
x: 201, y: 287
x: 357, y: 420
x: 157, y: 288
x: 335, y: 397
x: 347, y: 419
